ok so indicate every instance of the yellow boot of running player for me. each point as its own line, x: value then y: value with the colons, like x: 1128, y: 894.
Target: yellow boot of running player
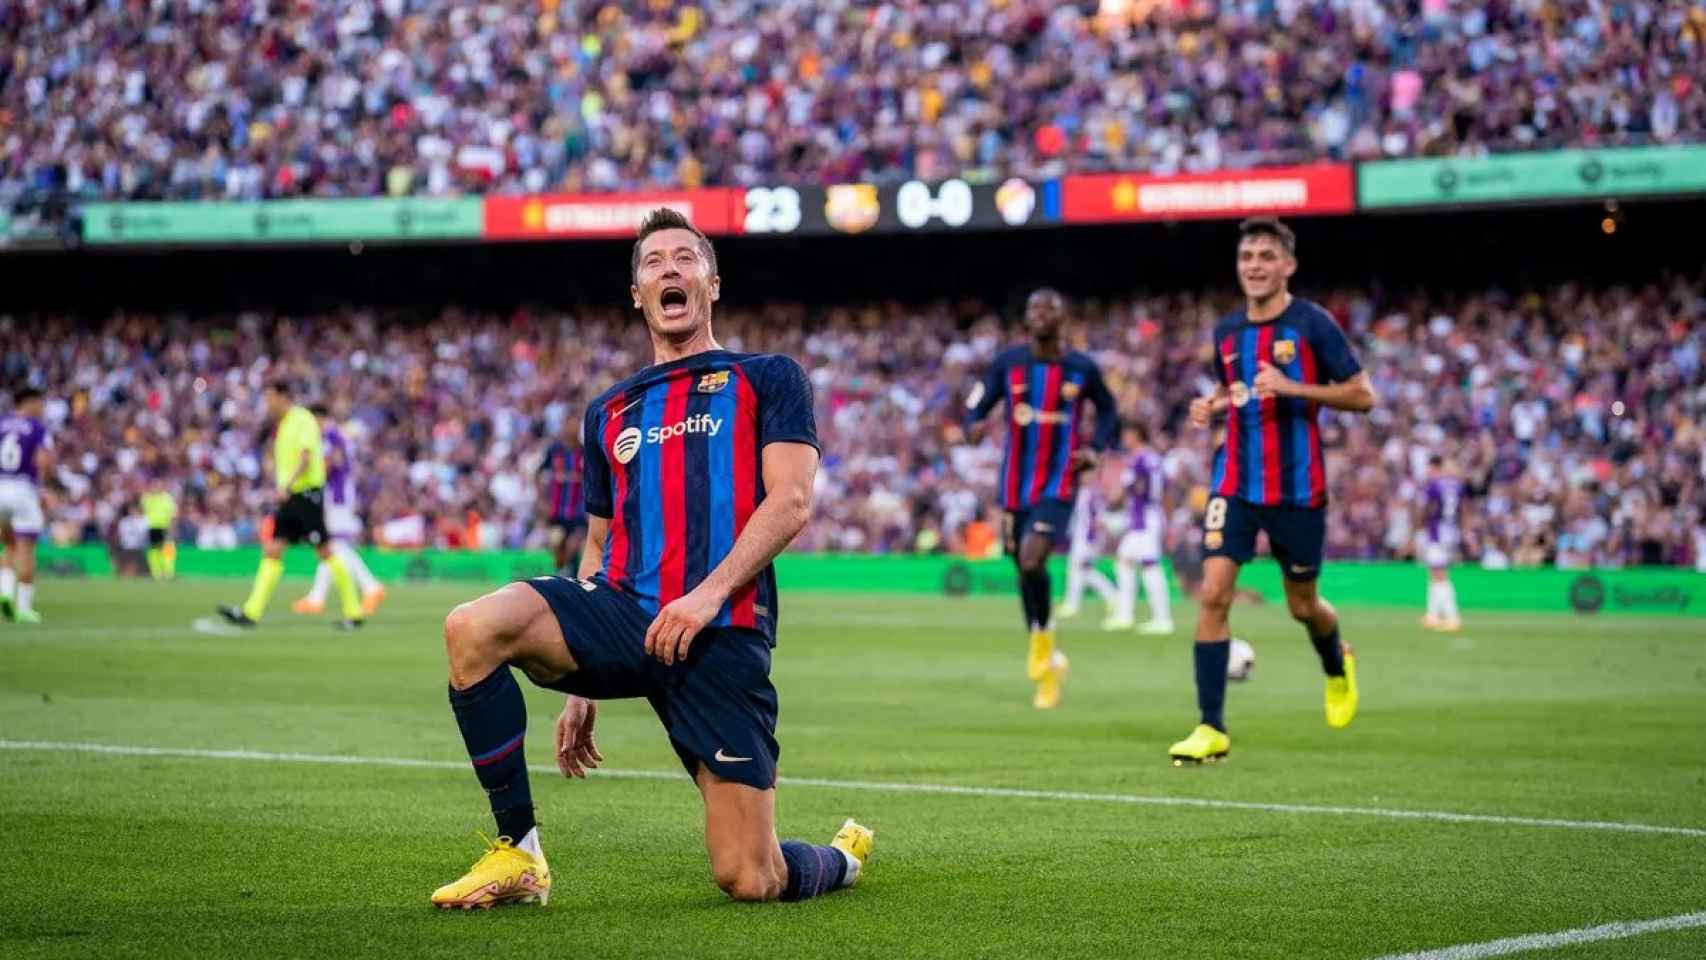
x: 1042, y: 652
x: 1048, y: 688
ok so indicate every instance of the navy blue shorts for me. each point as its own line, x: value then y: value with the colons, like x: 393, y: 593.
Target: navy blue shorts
x: 1295, y: 534
x: 1045, y: 518
x: 718, y: 706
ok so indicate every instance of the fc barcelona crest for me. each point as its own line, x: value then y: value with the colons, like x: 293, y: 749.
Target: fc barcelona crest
x: 1285, y: 351
x: 712, y: 382
x: 1069, y: 390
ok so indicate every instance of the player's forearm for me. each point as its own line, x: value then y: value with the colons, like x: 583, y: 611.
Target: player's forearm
x: 1356, y: 396
x: 769, y: 530
x: 592, y: 551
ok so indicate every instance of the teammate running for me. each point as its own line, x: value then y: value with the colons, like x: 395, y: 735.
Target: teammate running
x: 1279, y: 360
x: 1044, y: 385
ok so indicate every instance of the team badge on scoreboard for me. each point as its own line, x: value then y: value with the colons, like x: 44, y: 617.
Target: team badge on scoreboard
x: 852, y: 207
x: 713, y: 382
x: 1285, y: 351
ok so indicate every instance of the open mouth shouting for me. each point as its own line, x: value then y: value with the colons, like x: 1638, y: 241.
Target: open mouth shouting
x: 672, y: 302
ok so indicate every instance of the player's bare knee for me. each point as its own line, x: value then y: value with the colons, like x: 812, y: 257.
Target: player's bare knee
x: 471, y: 643
x: 1302, y: 609
x: 750, y: 883
x: 1216, y: 600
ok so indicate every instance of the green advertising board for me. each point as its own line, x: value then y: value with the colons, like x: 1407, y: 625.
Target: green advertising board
x: 1518, y: 177
x: 283, y: 221
x: 1652, y: 591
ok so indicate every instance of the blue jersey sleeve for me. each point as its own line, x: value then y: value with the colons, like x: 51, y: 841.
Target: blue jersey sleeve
x: 595, y: 470
x: 1216, y: 362
x: 784, y: 403
x: 1338, y: 363
x: 988, y: 392
x: 1107, y: 411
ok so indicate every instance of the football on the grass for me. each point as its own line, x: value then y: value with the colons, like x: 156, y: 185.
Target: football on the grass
x: 1240, y: 661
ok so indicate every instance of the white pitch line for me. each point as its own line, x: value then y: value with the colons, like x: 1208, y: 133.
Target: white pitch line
x: 1549, y: 941
x: 1010, y: 793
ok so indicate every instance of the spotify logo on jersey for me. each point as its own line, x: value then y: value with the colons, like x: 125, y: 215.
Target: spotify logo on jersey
x: 628, y: 441
x: 627, y: 444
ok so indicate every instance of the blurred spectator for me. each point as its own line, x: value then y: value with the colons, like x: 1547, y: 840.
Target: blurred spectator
x: 240, y: 99
x: 1574, y: 414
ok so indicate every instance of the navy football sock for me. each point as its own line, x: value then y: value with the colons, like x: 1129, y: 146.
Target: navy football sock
x: 1211, y: 682
x: 493, y: 718
x: 1331, y: 652
x: 1025, y: 605
x: 1043, y: 601
x: 1036, y: 589
x: 812, y: 870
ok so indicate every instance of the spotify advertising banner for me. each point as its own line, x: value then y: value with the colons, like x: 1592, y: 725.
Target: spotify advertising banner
x: 1647, y: 591
x: 1518, y: 177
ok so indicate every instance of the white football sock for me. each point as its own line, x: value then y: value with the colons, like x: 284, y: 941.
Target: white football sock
x: 1104, y: 587
x: 1074, y: 584
x: 8, y: 581
x: 364, y: 579
x: 1448, y: 600
x: 1126, y: 572
x: 853, y: 865
x: 1435, y: 606
x: 1155, y: 591
x: 26, y: 596
x: 530, y: 843
x: 322, y: 580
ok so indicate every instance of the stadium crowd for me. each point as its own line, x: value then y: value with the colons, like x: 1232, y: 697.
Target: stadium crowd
x: 1576, y: 416
x: 243, y: 99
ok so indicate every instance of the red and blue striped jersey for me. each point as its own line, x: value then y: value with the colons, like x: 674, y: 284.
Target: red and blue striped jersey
x: 560, y: 479
x: 1045, y: 405
x: 1272, y: 452
x: 673, y: 458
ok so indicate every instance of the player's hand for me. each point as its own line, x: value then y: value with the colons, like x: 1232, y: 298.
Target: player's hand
x: 1202, y: 411
x: 576, y: 751
x: 1271, y: 383
x: 1083, y: 459
x: 675, y: 626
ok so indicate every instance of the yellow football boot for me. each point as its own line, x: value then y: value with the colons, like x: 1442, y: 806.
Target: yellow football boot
x: 855, y: 839
x: 1048, y: 688
x: 504, y: 874
x: 1042, y: 650
x: 1204, y: 745
x: 1342, y: 695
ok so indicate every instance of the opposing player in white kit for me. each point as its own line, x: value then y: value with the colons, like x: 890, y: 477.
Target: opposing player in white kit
x: 1084, y: 549
x: 1145, y: 537
x: 343, y: 524
x: 1438, y: 538
x: 24, y: 446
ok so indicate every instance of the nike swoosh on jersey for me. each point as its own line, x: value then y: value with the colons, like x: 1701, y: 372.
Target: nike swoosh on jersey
x: 722, y: 757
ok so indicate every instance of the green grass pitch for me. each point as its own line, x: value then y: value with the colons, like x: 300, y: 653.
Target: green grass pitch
x: 1579, y: 719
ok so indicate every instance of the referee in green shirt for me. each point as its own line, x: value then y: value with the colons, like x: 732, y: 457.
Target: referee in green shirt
x: 299, y: 462
x: 160, y: 510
